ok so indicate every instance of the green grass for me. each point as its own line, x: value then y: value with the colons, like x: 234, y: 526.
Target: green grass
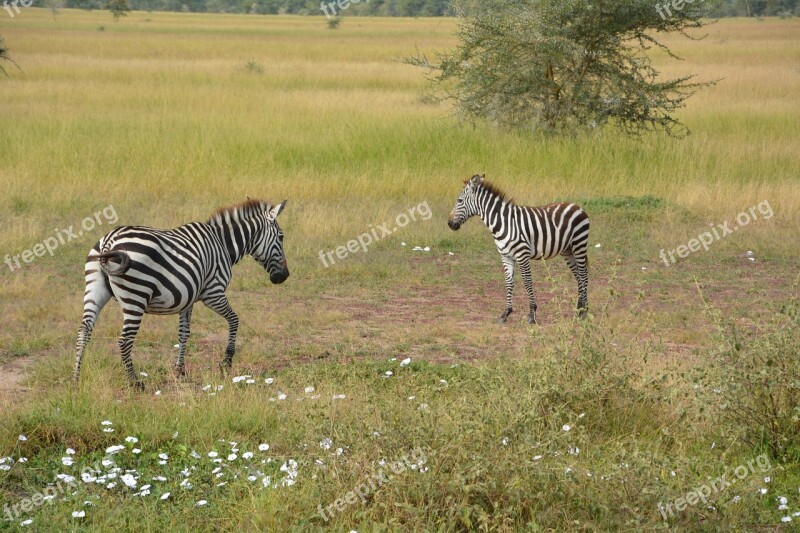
x: 168, y: 116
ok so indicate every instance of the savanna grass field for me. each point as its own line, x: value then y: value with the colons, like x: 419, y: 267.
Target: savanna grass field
x: 378, y: 393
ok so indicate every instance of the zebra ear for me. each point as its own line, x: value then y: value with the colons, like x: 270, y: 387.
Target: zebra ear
x: 475, y: 181
x: 273, y: 213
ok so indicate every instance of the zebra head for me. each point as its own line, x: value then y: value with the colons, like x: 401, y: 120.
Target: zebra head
x: 467, y: 203
x: 268, y: 250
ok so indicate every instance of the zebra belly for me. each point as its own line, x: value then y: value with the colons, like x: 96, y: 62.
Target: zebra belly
x: 156, y: 307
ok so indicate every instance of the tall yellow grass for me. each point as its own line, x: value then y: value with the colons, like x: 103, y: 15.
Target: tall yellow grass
x: 158, y: 115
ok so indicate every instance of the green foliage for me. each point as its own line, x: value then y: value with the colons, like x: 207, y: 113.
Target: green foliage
x: 118, y: 8
x: 564, y: 65
x: 405, y: 8
x: 253, y: 67
x: 761, y: 393
x: 334, y: 22
x: 5, y: 57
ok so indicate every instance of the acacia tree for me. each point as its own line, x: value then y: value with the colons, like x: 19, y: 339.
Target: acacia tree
x: 118, y: 8
x: 564, y: 65
x: 5, y: 57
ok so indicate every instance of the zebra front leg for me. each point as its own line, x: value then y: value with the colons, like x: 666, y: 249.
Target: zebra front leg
x: 95, y: 298
x: 579, y: 267
x: 525, y: 270
x: 508, y: 268
x: 184, y: 326
x: 132, y: 319
x: 219, y: 304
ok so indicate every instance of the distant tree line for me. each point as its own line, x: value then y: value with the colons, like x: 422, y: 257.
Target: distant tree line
x: 403, y: 8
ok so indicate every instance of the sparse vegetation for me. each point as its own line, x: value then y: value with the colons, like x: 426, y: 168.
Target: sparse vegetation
x: 334, y: 23
x: 253, y: 67
x: 761, y: 385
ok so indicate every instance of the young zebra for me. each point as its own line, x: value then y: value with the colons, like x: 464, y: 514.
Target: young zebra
x: 524, y: 233
x: 165, y: 272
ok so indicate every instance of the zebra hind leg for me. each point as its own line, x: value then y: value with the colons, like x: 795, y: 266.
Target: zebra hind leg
x: 508, y: 268
x: 578, y: 264
x: 183, y: 336
x: 132, y: 319
x: 95, y: 298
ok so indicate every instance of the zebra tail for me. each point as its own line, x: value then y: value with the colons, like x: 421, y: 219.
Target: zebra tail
x: 115, y: 269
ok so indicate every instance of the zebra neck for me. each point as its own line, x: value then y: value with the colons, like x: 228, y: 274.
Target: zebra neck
x: 237, y: 237
x: 495, y: 212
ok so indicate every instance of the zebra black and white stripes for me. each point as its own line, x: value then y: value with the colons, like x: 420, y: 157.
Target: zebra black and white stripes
x: 524, y: 233
x: 166, y: 271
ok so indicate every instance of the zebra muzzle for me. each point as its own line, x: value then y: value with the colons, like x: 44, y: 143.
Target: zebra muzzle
x: 279, y: 276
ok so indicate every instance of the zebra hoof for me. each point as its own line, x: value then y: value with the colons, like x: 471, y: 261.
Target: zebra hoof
x: 138, y: 385
x: 582, y: 313
x: 531, y: 319
x: 502, y: 319
x: 180, y: 373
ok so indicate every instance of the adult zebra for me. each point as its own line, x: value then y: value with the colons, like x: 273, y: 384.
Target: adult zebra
x: 165, y: 272
x: 524, y: 233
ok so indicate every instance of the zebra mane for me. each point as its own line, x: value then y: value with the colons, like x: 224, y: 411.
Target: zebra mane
x: 242, y: 211
x: 496, y: 191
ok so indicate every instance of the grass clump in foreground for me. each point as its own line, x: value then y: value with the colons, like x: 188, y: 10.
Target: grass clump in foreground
x: 580, y: 437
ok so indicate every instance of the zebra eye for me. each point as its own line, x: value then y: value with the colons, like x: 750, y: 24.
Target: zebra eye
x: 460, y: 200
